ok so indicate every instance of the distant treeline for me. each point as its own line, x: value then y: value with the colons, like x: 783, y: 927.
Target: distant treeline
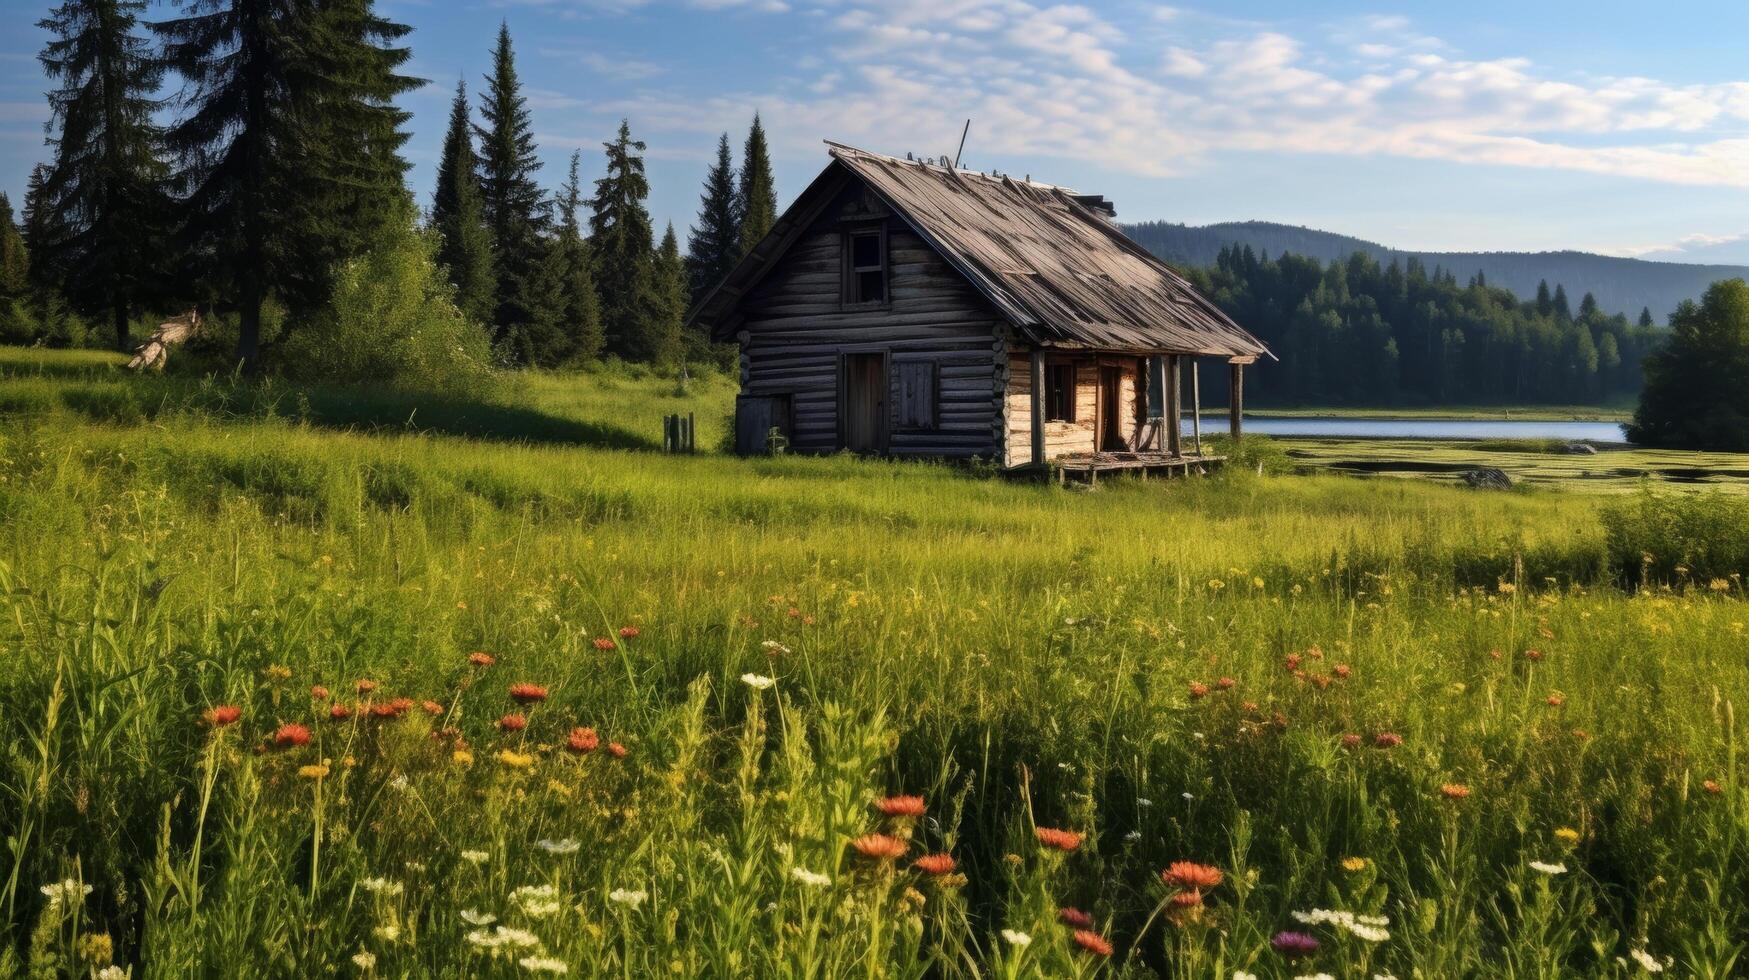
x: 1361, y: 333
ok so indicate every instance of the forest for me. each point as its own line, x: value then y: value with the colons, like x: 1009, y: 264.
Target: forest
x: 1357, y: 332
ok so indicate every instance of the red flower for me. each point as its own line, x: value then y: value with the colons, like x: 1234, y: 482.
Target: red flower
x: 1061, y: 840
x: 512, y: 723
x: 934, y: 864
x: 366, y: 686
x: 339, y: 712
x: 901, y: 806
x: 1092, y: 942
x: 1350, y: 741
x: 1226, y: 683
x: 629, y: 631
x: 1533, y: 654
x: 222, y: 715
x: 603, y: 643
x: 290, y: 736
x: 1074, y: 917
x: 1198, y: 689
x: 1191, y: 876
x: 1712, y: 786
x: 319, y: 692
x: 879, y: 846
x: 480, y: 658
x: 1342, y: 670
x: 1454, y: 791
x: 1186, y: 899
x: 1293, y: 661
x: 527, y: 693
x: 432, y: 708
x: 616, y: 750
x: 1556, y: 699
x: 582, y: 741
x: 1387, y: 740
x: 384, y: 710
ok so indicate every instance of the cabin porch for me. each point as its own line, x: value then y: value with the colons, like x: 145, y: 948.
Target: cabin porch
x: 1089, y: 466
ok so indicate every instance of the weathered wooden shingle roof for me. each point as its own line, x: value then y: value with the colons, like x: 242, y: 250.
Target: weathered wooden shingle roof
x: 1057, y: 269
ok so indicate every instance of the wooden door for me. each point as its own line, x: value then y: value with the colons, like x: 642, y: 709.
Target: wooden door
x: 863, y: 402
x: 1109, y: 437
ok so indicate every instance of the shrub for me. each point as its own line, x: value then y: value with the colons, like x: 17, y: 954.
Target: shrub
x: 392, y: 320
x: 1249, y: 453
x: 1666, y: 538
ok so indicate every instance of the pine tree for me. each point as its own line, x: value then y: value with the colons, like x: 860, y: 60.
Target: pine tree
x: 1587, y: 307
x: 17, y: 326
x: 580, y: 315
x: 290, y: 146
x: 621, y: 236
x: 1563, y: 311
x: 757, y: 193
x: 1646, y: 321
x: 714, y: 246
x: 671, y: 300
x: 464, y: 244
x: 55, y: 322
x: 515, y: 207
x: 106, y: 181
x: 1545, y: 305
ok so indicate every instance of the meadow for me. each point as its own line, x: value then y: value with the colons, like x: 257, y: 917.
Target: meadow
x: 320, y: 683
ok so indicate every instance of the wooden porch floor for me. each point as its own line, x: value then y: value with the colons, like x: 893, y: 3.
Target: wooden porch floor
x: 1089, y: 466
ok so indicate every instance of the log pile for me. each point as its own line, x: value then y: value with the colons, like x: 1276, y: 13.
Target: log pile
x: 156, y: 350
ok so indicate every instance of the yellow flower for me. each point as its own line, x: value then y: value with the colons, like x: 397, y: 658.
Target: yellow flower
x: 1507, y: 588
x: 1257, y: 582
x: 463, y: 757
x: 279, y: 673
x: 516, y: 760
x: 1354, y: 865
x: 1719, y: 585
x: 1217, y: 584
x: 313, y: 772
x: 1567, y: 835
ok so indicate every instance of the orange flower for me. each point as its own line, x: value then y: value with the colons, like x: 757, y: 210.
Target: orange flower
x: 879, y: 846
x: 366, y: 686
x: 1293, y: 661
x: 480, y: 658
x: 1342, y: 670
x: 1387, y: 740
x: 629, y: 632
x: 1061, y: 840
x: 1556, y: 699
x: 603, y: 643
x: 290, y: 736
x: 222, y: 715
x: 1073, y: 917
x: 384, y: 710
x: 582, y: 741
x: 527, y: 693
x: 1186, y: 899
x: 401, y: 706
x: 1226, y: 683
x: 1092, y: 942
x: 1712, y: 786
x: 934, y: 864
x: 339, y: 712
x: 432, y: 708
x: 1190, y: 875
x: 512, y: 723
x: 616, y: 750
x: 1454, y: 791
x: 901, y: 806
x: 319, y: 692
x: 1198, y: 689
x: 1533, y: 654
x: 1350, y: 741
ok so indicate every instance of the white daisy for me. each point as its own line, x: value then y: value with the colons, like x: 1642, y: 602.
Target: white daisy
x: 1015, y: 937
x: 1547, y: 868
x: 544, y: 964
x: 381, y: 886
x: 627, y: 896
x: 1647, y: 961
x: 68, y: 892
x: 757, y: 682
x: 564, y: 846
x: 364, y: 961
x: 474, y: 918
x: 813, y: 879
x: 475, y: 857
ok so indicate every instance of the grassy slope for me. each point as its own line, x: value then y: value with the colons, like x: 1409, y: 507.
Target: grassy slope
x: 1005, y: 650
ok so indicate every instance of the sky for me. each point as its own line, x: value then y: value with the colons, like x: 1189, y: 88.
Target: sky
x: 1615, y: 127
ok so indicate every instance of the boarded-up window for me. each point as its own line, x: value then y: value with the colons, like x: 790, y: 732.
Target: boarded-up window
x: 919, y: 382
x: 1060, y: 392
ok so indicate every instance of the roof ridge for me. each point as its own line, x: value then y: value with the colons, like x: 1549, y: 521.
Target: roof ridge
x: 838, y: 149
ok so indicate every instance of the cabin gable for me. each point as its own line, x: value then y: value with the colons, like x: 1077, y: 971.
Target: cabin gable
x: 861, y: 336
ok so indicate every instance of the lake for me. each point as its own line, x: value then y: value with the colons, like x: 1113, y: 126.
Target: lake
x: 1385, y: 428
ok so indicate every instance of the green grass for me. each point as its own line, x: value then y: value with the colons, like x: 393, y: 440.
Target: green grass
x: 1537, y: 462
x: 1020, y: 656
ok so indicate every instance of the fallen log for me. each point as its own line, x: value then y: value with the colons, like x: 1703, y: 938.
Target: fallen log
x: 156, y: 350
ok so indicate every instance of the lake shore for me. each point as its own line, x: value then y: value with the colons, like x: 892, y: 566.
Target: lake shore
x: 1516, y: 413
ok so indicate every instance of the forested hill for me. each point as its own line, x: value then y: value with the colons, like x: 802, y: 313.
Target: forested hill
x: 1619, y: 285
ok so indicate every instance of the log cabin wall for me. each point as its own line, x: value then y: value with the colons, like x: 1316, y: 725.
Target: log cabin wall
x: 1078, y: 436
x: 797, y: 326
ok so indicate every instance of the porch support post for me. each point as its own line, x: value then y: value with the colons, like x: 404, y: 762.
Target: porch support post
x: 1174, y: 408
x: 1038, y: 407
x: 1196, y: 403
x: 1236, y: 402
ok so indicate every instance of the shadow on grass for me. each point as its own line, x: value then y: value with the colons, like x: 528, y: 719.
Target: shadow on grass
x: 450, y: 415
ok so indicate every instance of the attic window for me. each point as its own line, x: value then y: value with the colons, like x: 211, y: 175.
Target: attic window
x: 865, y: 266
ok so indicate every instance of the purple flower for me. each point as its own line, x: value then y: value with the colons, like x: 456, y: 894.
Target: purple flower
x: 1294, y: 944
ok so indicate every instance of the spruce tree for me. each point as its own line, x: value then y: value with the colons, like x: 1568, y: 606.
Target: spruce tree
x: 45, y: 303
x: 621, y: 236
x: 580, y: 308
x: 714, y: 246
x: 106, y: 181
x: 289, y: 147
x: 1563, y: 311
x: 515, y: 208
x: 464, y: 245
x: 671, y: 300
x: 757, y: 193
x: 1646, y: 317
x: 1545, y: 305
x: 17, y: 326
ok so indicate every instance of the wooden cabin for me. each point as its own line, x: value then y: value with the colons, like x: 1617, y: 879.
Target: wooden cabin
x: 909, y: 309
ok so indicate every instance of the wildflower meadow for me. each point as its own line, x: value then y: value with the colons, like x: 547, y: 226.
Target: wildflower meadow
x: 286, y: 697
